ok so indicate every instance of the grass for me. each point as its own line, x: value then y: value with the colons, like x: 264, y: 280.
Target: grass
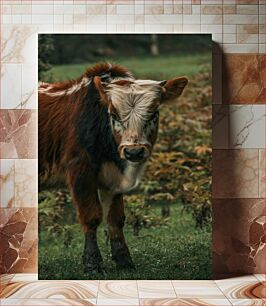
x: 159, y: 68
x: 175, y: 251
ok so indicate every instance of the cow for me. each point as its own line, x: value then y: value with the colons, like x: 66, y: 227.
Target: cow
x: 97, y: 132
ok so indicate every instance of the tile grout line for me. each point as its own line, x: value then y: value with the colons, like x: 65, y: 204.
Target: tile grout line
x: 138, y: 285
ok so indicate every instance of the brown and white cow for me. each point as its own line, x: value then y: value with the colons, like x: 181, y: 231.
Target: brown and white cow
x: 98, y: 132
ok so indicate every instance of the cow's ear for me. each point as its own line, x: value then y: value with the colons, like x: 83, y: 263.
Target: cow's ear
x: 101, y: 87
x: 172, y: 89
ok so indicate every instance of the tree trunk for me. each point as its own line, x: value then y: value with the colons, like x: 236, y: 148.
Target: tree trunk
x: 154, y: 48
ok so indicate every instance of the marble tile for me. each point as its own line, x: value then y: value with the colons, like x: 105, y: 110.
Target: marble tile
x: 246, y: 38
x: 220, y: 126
x: 153, y: 9
x: 117, y: 302
x: 10, y: 85
x: 229, y: 9
x: 42, y: 19
x: 262, y: 174
x: 178, y: 9
x: 163, y: 19
x: 5, y: 279
x: 168, y: 8
x: 247, y: 126
x: 240, y: 19
x: 247, y: 2
x: 26, y: 182
x: 262, y: 49
x: 7, y: 183
x: 24, y: 277
x: 247, y: 9
x: 156, y: 289
x: 211, y: 19
x: 48, y: 302
x: 18, y: 133
x: 158, y: 28
x: 229, y: 28
x: 248, y: 29
x: 125, y: 28
x: 184, y: 302
x: 197, y: 289
x: 128, y: 1
x: 209, y: 28
x: 191, y: 28
x: 229, y: 38
x: 235, y: 173
x: 19, y: 44
x: 212, y: 9
x: 242, y: 287
x: 79, y: 9
x: 262, y: 38
x: 240, y: 49
x: 211, y: 2
x: 238, y: 237
x: 96, y: 9
x: 29, y: 91
x: 260, y: 277
x: 243, y: 77
x: 42, y: 9
x: 191, y: 19
x: 248, y: 302
x: 139, y: 19
x: 187, y: 10
x: 18, y: 232
x: 18, y: 183
x: 120, y: 19
x: 118, y: 290
x: 51, y: 290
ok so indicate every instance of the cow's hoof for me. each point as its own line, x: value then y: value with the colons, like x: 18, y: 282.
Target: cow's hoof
x: 125, y: 264
x: 121, y: 255
x: 92, y: 268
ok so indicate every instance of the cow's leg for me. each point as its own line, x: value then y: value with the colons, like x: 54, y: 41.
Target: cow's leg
x: 115, y: 220
x: 90, y: 215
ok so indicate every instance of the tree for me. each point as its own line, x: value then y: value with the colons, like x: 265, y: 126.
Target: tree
x: 154, y: 45
x: 46, y: 48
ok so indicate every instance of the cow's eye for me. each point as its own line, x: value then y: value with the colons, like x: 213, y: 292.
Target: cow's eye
x: 115, y: 117
x: 116, y: 120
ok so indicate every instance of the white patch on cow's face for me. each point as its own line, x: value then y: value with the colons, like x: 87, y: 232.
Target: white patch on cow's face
x: 137, y: 116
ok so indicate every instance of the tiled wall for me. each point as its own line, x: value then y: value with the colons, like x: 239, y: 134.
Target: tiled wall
x: 238, y: 28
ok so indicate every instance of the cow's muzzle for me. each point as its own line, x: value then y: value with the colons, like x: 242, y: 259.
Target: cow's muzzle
x: 135, y: 153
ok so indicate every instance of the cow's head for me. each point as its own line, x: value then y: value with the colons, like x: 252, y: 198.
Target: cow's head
x: 133, y: 107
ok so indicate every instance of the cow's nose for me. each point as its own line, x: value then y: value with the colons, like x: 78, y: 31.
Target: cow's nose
x: 134, y: 154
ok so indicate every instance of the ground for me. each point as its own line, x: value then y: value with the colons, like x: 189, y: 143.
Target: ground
x: 173, y: 251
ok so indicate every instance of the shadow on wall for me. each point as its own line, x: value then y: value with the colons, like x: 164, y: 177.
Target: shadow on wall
x: 238, y: 229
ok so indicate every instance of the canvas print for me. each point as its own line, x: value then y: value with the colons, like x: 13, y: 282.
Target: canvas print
x: 124, y: 150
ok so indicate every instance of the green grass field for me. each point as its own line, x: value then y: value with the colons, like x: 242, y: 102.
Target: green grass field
x: 158, y: 68
x: 175, y: 251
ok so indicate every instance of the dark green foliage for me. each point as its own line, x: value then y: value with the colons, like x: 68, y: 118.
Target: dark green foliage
x: 180, y: 167
x: 84, y: 48
x: 45, y: 49
x: 140, y: 214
